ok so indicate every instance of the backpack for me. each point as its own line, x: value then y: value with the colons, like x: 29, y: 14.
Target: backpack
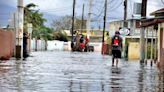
x: 116, y: 41
x: 81, y: 40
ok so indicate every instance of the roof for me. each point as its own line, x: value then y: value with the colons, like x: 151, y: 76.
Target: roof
x: 150, y: 22
x: 159, y: 18
x: 158, y: 11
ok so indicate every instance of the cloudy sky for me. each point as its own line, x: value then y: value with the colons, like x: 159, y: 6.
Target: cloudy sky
x: 55, y: 8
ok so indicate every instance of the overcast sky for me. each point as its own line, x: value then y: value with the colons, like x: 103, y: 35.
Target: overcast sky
x: 53, y: 8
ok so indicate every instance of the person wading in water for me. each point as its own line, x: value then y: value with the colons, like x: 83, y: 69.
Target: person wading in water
x: 116, y: 47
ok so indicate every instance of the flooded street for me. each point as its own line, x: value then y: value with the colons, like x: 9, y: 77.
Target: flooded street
x: 77, y: 72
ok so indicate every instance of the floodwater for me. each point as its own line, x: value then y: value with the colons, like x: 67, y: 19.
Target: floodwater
x: 59, y: 71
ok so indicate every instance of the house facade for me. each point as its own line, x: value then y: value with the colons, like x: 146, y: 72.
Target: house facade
x: 158, y: 23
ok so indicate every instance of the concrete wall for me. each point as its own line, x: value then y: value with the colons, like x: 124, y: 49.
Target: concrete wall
x: 51, y: 45
x: 67, y: 46
x: 7, y: 44
x: 39, y: 43
x: 58, y: 45
x: 133, y: 51
x: 55, y: 45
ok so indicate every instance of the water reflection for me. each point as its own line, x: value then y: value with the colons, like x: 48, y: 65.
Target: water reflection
x: 70, y: 86
x: 102, y: 87
x: 141, y: 78
x: 18, y: 78
x: 115, y: 79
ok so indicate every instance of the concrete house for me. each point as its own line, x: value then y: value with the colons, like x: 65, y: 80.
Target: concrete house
x: 158, y: 23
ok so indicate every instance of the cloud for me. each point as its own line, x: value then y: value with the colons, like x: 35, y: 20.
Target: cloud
x: 64, y: 7
x: 154, y: 5
x: 56, y: 7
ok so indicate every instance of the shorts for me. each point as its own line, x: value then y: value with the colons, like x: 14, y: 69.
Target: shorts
x: 116, y: 53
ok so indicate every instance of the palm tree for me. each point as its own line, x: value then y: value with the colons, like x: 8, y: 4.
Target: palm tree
x: 34, y: 17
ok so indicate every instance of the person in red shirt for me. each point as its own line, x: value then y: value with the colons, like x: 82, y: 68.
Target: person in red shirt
x: 86, y: 40
x: 86, y: 43
x: 116, y: 47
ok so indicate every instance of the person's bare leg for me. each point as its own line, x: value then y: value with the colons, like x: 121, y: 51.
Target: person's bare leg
x: 113, y: 61
x: 117, y: 62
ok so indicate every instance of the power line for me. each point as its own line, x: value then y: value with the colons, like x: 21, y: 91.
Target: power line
x: 100, y: 14
x: 54, y: 10
x: 131, y: 11
x: 58, y: 9
x: 104, y: 7
x: 117, y: 6
x: 162, y: 1
x: 110, y: 9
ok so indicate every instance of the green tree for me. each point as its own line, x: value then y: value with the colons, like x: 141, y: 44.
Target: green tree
x: 37, y: 20
x: 46, y: 34
x: 34, y: 17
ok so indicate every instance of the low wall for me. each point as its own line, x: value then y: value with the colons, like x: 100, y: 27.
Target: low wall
x: 38, y: 45
x: 97, y: 46
x: 7, y: 44
x: 67, y: 46
x: 55, y: 45
x: 58, y: 45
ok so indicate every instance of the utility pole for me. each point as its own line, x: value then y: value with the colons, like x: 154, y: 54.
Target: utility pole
x: 89, y: 18
x: 156, y: 36
x: 125, y: 24
x: 142, y: 32
x: 82, y: 19
x: 152, y: 46
x: 14, y: 33
x: 19, y: 31
x: 103, y: 43
x: 73, y: 16
x: 125, y: 13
